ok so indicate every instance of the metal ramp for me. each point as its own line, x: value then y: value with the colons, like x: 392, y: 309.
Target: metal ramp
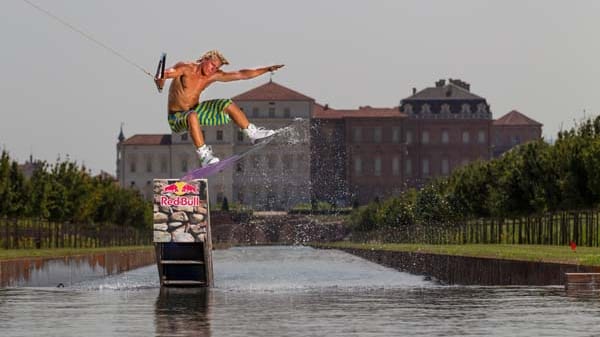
x: 182, y: 237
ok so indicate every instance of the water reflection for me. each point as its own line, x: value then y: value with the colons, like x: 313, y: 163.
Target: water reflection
x: 183, y: 312
x: 49, y: 272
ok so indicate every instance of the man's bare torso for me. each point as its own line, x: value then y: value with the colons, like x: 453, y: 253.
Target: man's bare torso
x: 185, y: 90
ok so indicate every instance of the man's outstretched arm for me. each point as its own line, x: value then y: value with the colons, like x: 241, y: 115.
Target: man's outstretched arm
x: 173, y: 72
x: 244, y: 74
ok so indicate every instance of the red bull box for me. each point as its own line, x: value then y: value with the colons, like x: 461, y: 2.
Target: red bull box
x: 182, y: 232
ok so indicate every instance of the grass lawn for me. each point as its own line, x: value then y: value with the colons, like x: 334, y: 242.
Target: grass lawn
x: 562, y: 254
x: 10, y: 254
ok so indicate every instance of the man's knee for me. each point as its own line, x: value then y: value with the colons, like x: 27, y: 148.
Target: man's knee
x: 192, y: 117
x: 231, y: 106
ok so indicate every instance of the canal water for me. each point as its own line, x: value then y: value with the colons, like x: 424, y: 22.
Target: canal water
x: 292, y: 291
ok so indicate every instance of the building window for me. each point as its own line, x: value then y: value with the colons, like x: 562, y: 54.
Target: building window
x: 377, y: 135
x: 481, y: 137
x: 396, y: 135
x: 184, y: 165
x: 409, y: 137
x: 240, y: 136
x: 357, y: 134
x: 377, y: 165
x: 515, y: 140
x: 464, y: 162
x: 240, y: 166
x: 445, y: 137
x: 240, y: 197
x: 425, y: 137
x: 425, y: 108
x: 357, y: 166
x: 184, y: 137
x: 219, y: 197
x: 465, y: 137
x: 301, y: 160
x: 287, y: 112
x: 272, y: 161
x: 395, y: 166
x: 132, y: 165
x: 255, y: 112
x: 445, y: 108
x: 445, y: 166
x: 288, y: 161
x: 408, y: 167
x: 163, y: 165
x: 408, y: 108
x: 425, y: 167
x: 466, y: 108
x: 219, y: 134
x: 481, y: 108
x: 271, y: 112
x: 149, y: 164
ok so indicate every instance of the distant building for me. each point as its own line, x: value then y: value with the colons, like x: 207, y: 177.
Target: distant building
x: 447, y: 126
x: 357, y: 154
x: 513, y: 129
x: 278, y: 176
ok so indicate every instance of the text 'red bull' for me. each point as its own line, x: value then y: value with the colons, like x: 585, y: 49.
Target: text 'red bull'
x: 180, y: 201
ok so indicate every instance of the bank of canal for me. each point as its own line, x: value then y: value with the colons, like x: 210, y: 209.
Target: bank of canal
x: 480, y: 264
x: 63, y: 267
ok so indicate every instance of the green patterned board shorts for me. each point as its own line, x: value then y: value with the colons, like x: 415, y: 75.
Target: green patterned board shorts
x: 211, y: 112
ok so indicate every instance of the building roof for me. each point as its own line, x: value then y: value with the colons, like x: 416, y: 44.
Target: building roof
x: 445, y: 92
x: 148, y: 140
x: 325, y: 112
x: 515, y: 118
x: 271, y: 91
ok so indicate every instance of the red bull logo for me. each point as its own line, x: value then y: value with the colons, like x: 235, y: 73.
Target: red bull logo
x: 179, y: 189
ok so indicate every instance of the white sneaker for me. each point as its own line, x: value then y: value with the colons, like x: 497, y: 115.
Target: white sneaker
x: 256, y: 134
x: 206, y: 155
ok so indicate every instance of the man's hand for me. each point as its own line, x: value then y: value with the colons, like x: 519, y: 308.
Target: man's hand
x: 160, y: 82
x: 274, y: 67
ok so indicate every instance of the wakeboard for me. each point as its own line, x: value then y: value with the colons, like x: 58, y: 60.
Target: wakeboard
x: 209, y: 170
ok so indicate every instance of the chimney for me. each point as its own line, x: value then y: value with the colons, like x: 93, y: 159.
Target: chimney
x: 326, y: 107
x: 440, y: 83
x: 449, y: 91
x: 460, y: 83
x: 414, y: 91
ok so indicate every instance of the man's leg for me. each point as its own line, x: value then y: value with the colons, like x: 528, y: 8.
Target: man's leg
x: 204, y: 152
x: 239, y: 118
x: 237, y: 115
x: 195, y: 130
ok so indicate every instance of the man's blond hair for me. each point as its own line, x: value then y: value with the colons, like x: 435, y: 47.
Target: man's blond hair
x: 214, y: 54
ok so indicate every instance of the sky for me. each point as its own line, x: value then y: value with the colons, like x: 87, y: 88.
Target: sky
x: 64, y: 96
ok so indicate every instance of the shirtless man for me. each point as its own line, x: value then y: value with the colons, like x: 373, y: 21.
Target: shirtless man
x: 187, y: 113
